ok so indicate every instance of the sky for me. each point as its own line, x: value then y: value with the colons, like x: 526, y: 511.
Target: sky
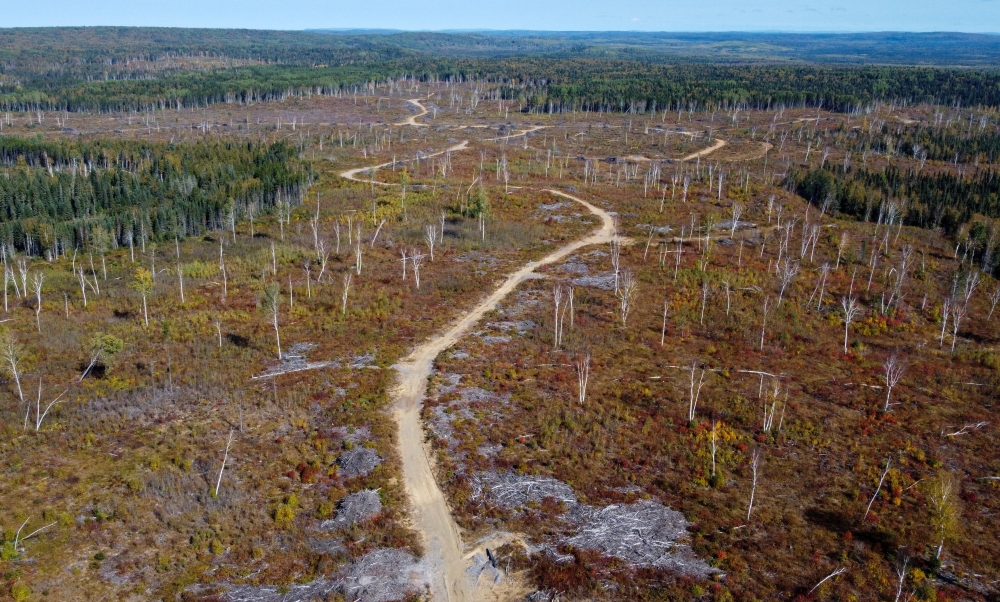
x: 553, y: 15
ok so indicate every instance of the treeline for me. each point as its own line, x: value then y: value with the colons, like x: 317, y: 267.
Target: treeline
x: 543, y: 85
x: 56, y: 196
x: 926, y: 199
x: 641, y: 87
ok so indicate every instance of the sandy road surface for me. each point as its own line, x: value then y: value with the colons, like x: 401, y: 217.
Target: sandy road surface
x: 430, y: 513
x: 705, y: 151
x: 531, y: 129
x: 352, y: 174
x: 412, y: 119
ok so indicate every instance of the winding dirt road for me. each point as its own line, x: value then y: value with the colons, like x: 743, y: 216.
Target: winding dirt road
x: 430, y: 513
x: 352, y: 174
x: 706, y: 151
x: 412, y: 119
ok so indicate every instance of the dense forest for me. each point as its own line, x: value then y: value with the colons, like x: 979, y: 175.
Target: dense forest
x: 57, y: 196
x: 81, y: 70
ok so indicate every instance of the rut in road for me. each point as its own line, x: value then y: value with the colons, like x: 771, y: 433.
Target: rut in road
x: 430, y: 513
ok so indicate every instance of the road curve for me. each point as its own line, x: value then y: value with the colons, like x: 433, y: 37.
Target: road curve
x: 412, y: 119
x: 352, y: 174
x: 706, y: 151
x: 430, y: 513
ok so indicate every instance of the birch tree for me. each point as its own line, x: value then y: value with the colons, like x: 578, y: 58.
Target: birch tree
x: 39, y: 414
x: 415, y: 260
x: 142, y: 283
x: 737, y: 213
x: 893, y: 372
x: 851, y: 309
x: 582, y: 368
x: 994, y: 297
x: 430, y: 235
x: 786, y: 272
x: 616, y: 258
x: 958, y: 313
x: 627, y: 293
x: 946, y: 308
x: 557, y: 294
x: 943, y: 509
x: 271, y: 302
x: 877, y: 489
x: 36, y: 285
x: 754, y: 467
x: 343, y: 295
x: 695, y: 390
x: 225, y: 457
x: 12, y: 356
x: 763, y: 319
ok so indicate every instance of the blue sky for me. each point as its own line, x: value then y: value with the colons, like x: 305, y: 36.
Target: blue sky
x: 601, y: 15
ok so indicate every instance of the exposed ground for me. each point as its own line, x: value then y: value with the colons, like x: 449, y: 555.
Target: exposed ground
x: 434, y: 437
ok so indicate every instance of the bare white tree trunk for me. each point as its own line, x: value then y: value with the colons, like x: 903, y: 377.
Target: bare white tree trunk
x: 627, y: 293
x: 893, y: 372
x: 36, y: 285
x: 430, y: 235
x: 582, y: 367
x: 851, y: 309
x: 556, y: 300
x: 416, y: 259
x: 754, y: 466
x: 877, y: 489
x: 695, y: 391
x: 343, y: 295
x: 663, y: 331
x: 225, y: 457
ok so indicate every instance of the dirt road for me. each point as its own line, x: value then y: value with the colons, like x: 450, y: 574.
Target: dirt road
x: 412, y: 119
x: 430, y: 513
x: 705, y: 151
x: 352, y: 174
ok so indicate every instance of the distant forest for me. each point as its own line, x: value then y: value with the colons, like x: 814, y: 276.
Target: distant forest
x: 137, y: 69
